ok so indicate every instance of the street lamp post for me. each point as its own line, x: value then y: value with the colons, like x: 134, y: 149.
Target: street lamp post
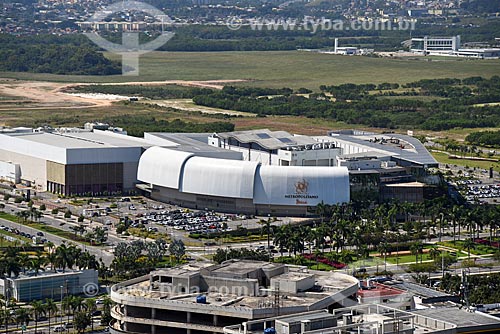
x: 62, y: 287
x: 268, y: 238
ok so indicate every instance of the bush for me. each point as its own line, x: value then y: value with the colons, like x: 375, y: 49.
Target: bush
x: 422, y: 267
x: 67, y: 214
x: 18, y: 200
x: 43, y: 207
x: 120, y: 228
x: 55, y: 211
x: 6, y: 197
x: 113, y: 206
x: 80, y: 218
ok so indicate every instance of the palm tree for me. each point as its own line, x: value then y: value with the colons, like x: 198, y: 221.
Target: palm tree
x: 280, y: 240
x: 90, y: 307
x: 66, y: 306
x: 38, y: 309
x: 434, y: 253
x: 455, y: 216
x: 7, y: 318
x: 416, y: 249
x: 66, y: 256
x: 22, y: 316
x: 322, y: 210
x: 383, y: 249
x: 24, y: 261
x: 37, y: 263
x: 51, y: 309
x: 469, y: 244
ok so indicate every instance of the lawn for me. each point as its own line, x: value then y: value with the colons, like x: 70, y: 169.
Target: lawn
x: 8, y: 216
x: 477, y: 250
x: 304, y: 262
x: 407, y: 258
x: 445, y: 159
x: 293, y: 69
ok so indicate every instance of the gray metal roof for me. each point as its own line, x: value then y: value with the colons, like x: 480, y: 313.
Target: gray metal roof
x: 416, y: 153
x: 272, y: 140
x: 189, y: 142
x: 460, y: 317
x: 82, y: 140
x: 307, y: 316
x: 419, y: 290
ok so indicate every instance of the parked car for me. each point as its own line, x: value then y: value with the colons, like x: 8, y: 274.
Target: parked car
x: 59, y: 328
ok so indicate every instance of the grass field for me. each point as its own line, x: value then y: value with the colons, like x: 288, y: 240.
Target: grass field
x: 408, y: 258
x: 285, y: 69
x: 445, y: 159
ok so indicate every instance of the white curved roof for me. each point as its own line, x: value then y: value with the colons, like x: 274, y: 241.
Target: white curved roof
x: 162, y: 166
x: 219, y: 177
x: 298, y: 185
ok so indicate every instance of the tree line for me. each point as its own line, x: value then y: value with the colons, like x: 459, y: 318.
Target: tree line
x: 149, y: 92
x: 456, y: 103
x: 47, y: 54
x: 136, y: 125
x: 484, y: 138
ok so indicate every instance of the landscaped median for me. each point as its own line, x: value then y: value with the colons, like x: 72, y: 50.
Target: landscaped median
x: 47, y: 228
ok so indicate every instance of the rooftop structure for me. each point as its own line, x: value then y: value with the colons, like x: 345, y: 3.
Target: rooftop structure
x: 277, y: 147
x: 48, y: 284
x: 402, y: 149
x: 360, y: 319
x: 239, y: 186
x: 72, y: 162
x: 450, y: 46
x: 204, y: 297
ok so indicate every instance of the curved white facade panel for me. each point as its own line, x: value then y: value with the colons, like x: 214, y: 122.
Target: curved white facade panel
x: 297, y: 185
x: 162, y: 167
x: 219, y: 177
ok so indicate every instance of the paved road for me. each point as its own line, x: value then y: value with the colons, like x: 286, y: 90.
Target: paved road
x: 99, y: 252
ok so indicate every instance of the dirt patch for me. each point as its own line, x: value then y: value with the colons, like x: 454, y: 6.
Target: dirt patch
x: 188, y: 105
x: 42, y: 95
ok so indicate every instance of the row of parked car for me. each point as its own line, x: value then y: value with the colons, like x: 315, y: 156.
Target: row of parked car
x: 484, y: 191
x: 197, y: 221
x: 15, y: 231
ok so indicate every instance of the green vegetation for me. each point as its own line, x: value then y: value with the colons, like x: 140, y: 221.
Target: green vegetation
x: 482, y: 289
x: 484, y: 138
x: 356, y: 104
x: 149, y: 92
x: 8, y: 216
x: 137, y: 125
x: 408, y: 258
x: 45, y: 54
x: 476, y: 249
x: 222, y: 254
x: 292, y: 69
x: 446, y: 159
x: 300, y: 260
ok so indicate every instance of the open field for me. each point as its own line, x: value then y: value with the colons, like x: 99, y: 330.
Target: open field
x: 285, y: 69
x: 189, y: 105
x: 445, y: 159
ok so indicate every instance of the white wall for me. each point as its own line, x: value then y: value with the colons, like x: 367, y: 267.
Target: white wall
x: 10, y: 172
x: 281, y: 185
x: 31, y: 168
x: 32, y: 149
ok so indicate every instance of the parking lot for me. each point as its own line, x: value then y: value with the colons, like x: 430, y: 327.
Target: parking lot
x: 189, y: 221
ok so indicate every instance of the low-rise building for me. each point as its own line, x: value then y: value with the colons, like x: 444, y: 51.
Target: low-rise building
x: 49, y: 284
x: 204, y: 298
